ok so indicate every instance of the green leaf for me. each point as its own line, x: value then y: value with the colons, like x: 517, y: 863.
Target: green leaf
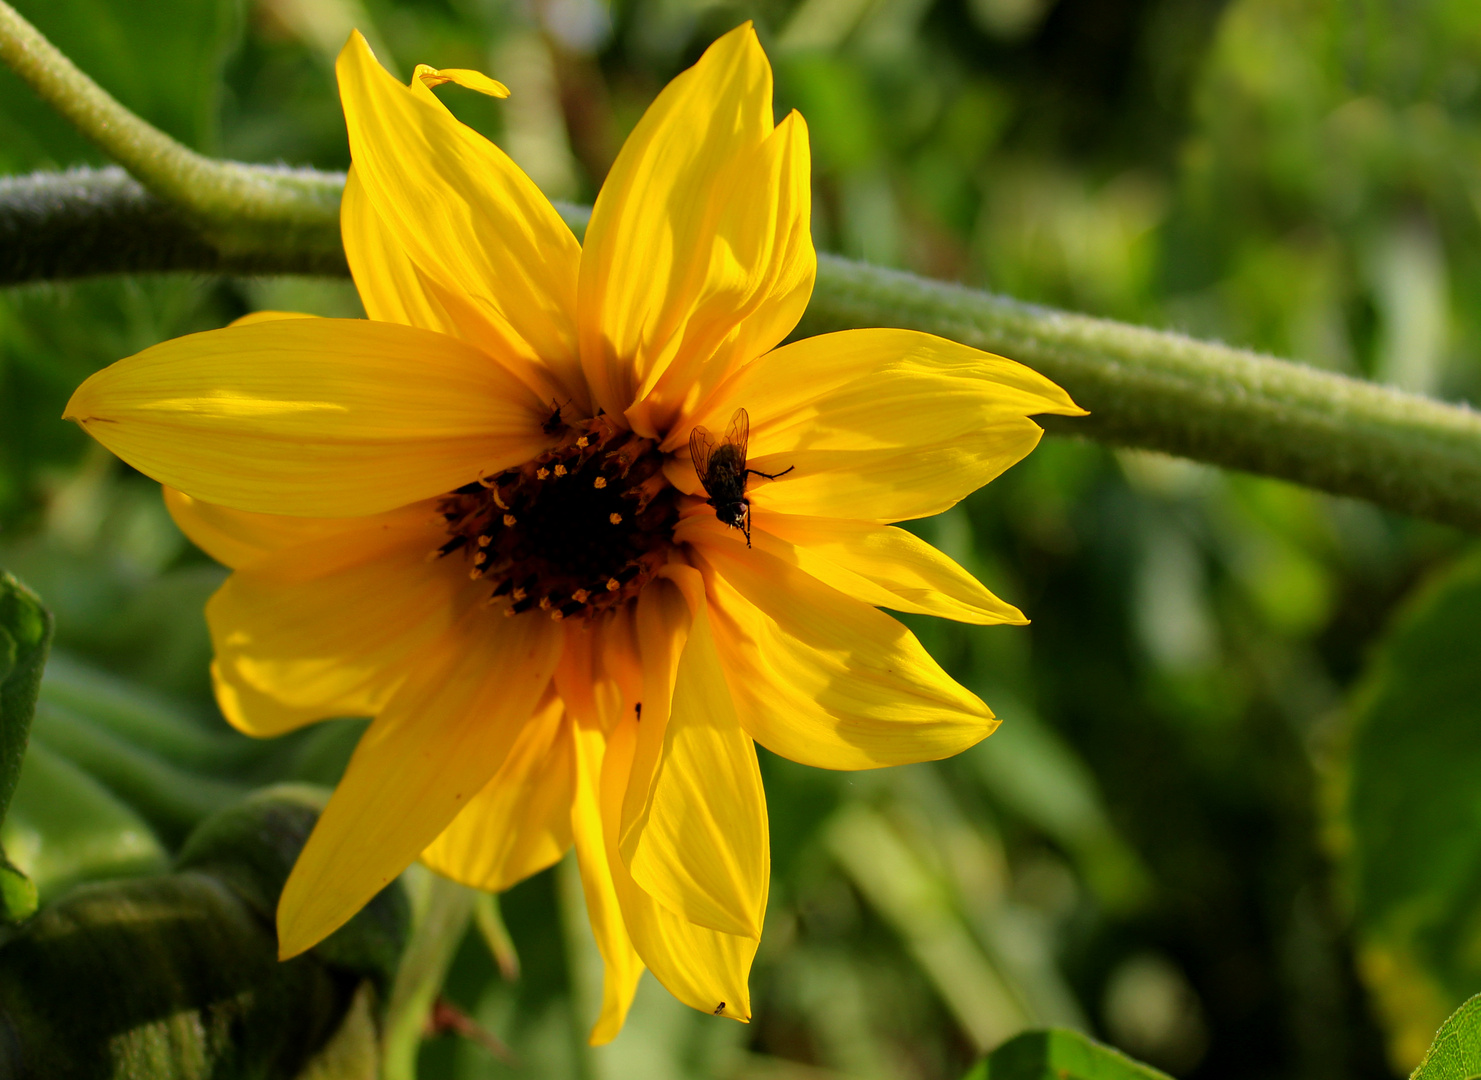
x: 144, y: 718
x: 18, y: 893
x: 1456, y: 1052
x: 171, y: 799
x: 253, y: 845
x: 1409, y: 819
x: 25, y: 636
x: 176, y: 976
x: 1057, y: 1054
x: 64, y: 827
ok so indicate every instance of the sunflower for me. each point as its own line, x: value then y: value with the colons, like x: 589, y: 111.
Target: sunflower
x: 569, y: 523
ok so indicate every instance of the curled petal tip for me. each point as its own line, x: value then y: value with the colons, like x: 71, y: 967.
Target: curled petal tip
x: 468, y: 79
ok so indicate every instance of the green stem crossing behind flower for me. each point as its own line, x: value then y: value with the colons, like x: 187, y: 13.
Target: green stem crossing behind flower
x: 1144, y: 388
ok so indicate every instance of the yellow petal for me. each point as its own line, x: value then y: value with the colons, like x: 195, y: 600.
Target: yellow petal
x: 878, y: 424
x: 330, y: 627
x: 263, y: 716
x: 431, y: 750
x: 820, y: 677
x: 621, y: 965
x: 464, y: 214
x: 703, y: 968
x: 883, y: 566
x: 312, y: 417
x: 393, y: 289
x: 472, y: 80
x: 699, y: 842
x: 698, y: 256
x: 520, y: 822
x: 268, y: 316
x: 235, y: 537
x: 662, y: 624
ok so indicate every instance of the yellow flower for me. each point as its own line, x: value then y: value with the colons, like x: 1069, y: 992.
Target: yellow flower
x: 475, y: 518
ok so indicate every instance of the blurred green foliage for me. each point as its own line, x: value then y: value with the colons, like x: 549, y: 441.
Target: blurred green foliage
x: 1142, y: 850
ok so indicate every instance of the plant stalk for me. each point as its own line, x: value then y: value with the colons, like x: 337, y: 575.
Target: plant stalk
x: 1145, y: 388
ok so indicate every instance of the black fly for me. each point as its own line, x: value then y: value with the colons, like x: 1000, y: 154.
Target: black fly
x: 722, y: 470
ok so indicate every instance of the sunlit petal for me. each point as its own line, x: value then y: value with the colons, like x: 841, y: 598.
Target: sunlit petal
x: 520, y: 822
x: 464, y: 214
x: 701, y: 967
x: 234, y: 537
x: 469, y: 80
x: 884, y: 566
x: 882, y: 425
x: 430, y: 751
x: 698, y: 842
x: 820, y: 677
x: 328, y: 627
x: 621, y: 965
x: 312, y: 417
x: 698, y: 252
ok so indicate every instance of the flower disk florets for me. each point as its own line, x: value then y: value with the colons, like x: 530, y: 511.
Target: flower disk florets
x: 576, y: 531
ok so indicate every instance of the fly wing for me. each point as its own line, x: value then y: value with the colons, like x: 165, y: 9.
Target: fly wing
x: 738, y: 435
x: 701, y: 447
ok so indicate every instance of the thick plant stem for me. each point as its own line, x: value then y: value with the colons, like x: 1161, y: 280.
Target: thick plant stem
x: 1144, y: 388
x: 231, y: 203
x: 1163, y: 391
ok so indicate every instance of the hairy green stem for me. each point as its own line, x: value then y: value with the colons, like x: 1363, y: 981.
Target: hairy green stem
x: 1144, y: 388
x: 236, y: 205
x: 1156, y: 390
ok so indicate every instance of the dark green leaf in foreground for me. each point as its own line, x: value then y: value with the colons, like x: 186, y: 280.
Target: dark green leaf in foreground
x: 25, y: 634
x: 1456, y: 1052
x: 176, y: 976
x: 1410, y: 814
x: 1057, y: 1054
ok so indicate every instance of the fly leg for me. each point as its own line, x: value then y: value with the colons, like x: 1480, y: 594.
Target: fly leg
x: 770, y: 476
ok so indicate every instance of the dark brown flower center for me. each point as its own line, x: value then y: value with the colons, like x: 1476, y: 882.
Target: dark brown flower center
x: 578, y: 530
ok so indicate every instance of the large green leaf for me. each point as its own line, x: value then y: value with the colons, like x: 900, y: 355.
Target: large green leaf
x: 1056, y: 1054
x: 64, y: 827
x: 1410, y: 814
x: 25, y: 635
x: 176, y: 976
x: 1456, y: 1052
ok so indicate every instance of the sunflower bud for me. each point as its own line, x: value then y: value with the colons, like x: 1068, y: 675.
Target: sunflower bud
x: 177, y: 975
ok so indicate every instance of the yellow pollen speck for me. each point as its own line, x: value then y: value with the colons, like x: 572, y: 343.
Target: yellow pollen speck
x: 613, y: 584
x: 580, y: 596
x: 480, y: 558
x: 542, y: 473
x: 475, y: 573
x: 483, y: 541
x: 560, y: 470
x: 544, y: 603
x: 510, y: 519
x: 509, y: 613
x: 519, y: 594
x: 583, y: 442
x: 615, y: 519
x: 600, y: 482
x: 556, y: 616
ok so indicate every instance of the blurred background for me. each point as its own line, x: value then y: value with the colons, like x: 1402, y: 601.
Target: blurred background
x: 1229, y: 823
